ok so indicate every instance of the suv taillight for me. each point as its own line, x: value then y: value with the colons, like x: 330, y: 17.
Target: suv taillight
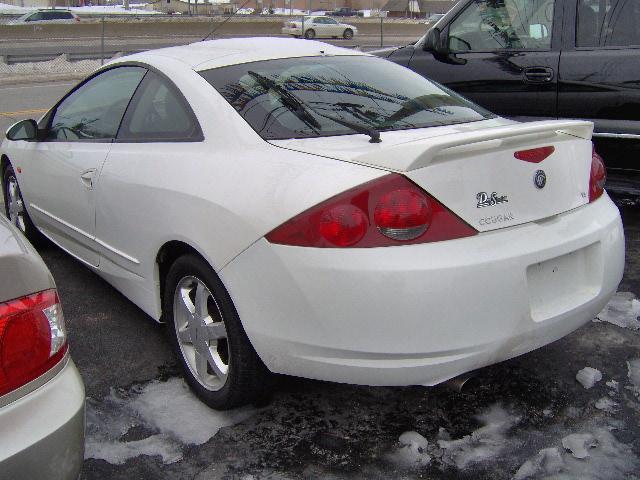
x: 598, y: 176
x: 387, y: 211
x: 33, y: 338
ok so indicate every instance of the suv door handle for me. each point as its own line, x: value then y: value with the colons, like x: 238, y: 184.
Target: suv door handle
x: 538, y: 74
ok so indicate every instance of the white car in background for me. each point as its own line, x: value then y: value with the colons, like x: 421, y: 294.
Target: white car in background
x: 47, y: 16
x: 310, y: 210
x: 41, y: 392
x: 318, y: 27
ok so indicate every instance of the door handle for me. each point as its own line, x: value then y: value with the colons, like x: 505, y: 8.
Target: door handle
x: 538, y: 74
x: 87, y: 178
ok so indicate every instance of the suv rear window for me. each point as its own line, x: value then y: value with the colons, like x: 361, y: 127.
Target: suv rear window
x: 301, y: 97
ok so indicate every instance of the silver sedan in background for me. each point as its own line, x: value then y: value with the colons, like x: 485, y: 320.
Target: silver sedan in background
x: 41, y: 393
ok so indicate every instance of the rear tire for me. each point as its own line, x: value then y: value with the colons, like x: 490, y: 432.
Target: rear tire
x: 348, y: 34
x: 14, y: 207
x: 217, y: 359
x: 310, y: 34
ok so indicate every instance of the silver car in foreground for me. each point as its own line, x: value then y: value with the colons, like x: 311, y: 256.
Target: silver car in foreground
x: 41, y: 392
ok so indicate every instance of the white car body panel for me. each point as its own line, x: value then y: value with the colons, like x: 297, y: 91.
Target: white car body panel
x: 71, y: 171
x: 358, y: 314
x: 384, y: 316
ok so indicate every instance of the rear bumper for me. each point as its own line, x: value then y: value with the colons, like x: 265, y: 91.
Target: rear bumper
x: 421, y: 314
x: 42, y: 434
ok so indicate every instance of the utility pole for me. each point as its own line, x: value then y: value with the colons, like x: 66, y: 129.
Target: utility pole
x: 126, y: 4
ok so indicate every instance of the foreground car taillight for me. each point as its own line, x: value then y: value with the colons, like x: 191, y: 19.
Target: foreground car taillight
x: 598, y: 177
x: 33, y: 338
x: 388, y: 211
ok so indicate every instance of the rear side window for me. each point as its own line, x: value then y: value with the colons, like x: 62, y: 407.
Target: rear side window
x: 159, y: 113
x: 313, y: 96
x: 608, y: 23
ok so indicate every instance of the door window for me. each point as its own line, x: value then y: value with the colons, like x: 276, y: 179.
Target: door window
x: 94, y: 110
x: 487, y: 25
x: 159, y: 113
x: 608, y: 23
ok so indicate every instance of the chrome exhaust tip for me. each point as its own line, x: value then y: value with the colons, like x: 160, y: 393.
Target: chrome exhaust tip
x: 460, y: 384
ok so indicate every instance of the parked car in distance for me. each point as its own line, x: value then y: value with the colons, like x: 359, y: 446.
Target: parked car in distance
x: 545, y: 59
x: 345, y: 12
x: 47, y: 16
x: 318, y: 27
x: 432, y: 19
x: 41, y: 392
x: 300, y: 208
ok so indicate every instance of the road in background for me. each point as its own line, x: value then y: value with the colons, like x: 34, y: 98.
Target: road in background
x: 18, y: 102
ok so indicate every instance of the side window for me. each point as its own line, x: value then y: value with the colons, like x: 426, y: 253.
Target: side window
x: 330, y: 21
x: 608, y: 23
x: 35, y: 17
x: 94, y: 110
x: 487, y: 25
x: 159, y: 113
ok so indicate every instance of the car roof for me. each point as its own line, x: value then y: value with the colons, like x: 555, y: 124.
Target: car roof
x: 220, y: 53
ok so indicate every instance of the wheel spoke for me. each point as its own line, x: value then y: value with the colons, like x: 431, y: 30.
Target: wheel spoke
x: 185, y: 336
x: 200, y: 304
x: 216, y: 331
x: 201, y: 364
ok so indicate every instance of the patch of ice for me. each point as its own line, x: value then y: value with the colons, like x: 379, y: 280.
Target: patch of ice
x: 548, y: 461
x: 622, y: 310
x: 607, y: 460
x: 483, y: 444
x: 588, y: 377
x: 413, y: 451
x: 579, y: 444
x: 117, y: 453
x: 606, y: 405
x: 167, y: 412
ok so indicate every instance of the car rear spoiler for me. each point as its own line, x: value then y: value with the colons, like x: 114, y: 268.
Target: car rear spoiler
x: 420, y: 153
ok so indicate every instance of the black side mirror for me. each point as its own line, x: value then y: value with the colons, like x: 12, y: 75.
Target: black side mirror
x: 23, y: 130
x: 432, y: 41
x: 437, y: 45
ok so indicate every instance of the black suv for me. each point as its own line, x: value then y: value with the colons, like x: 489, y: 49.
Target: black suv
x: 536, y: 59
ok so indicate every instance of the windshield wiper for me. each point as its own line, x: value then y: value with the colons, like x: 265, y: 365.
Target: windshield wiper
x: 303, y: 112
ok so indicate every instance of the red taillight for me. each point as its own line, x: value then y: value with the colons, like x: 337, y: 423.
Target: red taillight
x: 388, y: 211
x: 534, y: 155
x: 32, y: 338
x: 598, y: 176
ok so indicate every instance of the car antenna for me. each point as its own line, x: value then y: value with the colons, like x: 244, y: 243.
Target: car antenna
x: 225, y: 21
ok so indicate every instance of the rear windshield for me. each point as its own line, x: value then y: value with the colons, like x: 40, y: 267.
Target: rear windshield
x: 301, y: 97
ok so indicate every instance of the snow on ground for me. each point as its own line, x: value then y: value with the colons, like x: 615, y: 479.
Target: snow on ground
x: 136, y: 9
x: 622, y: 310
x: 57, y: 65
x: 166, y: 415
x: 588, y: 377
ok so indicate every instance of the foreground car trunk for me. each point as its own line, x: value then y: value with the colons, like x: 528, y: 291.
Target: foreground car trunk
x: 493, y: 177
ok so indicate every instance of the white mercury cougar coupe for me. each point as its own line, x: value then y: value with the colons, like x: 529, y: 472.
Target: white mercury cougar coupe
x: 289, y: 206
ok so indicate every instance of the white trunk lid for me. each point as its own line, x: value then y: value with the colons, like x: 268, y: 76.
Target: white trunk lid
x: 473, y: 171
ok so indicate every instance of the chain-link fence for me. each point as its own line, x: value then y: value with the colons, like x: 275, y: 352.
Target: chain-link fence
x: 77, y: 47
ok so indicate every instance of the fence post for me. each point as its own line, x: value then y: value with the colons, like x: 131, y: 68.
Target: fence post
x: 381, y: 32
x: 102, y: 43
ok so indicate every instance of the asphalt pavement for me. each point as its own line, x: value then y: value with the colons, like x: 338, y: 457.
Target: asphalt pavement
x: 520, y: 419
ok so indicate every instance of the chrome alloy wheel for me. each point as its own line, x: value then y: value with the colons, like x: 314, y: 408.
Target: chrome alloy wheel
x: 15, y: 206
x: 201, y: 333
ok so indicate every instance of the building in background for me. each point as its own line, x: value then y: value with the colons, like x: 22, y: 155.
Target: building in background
x: 416, y: 8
